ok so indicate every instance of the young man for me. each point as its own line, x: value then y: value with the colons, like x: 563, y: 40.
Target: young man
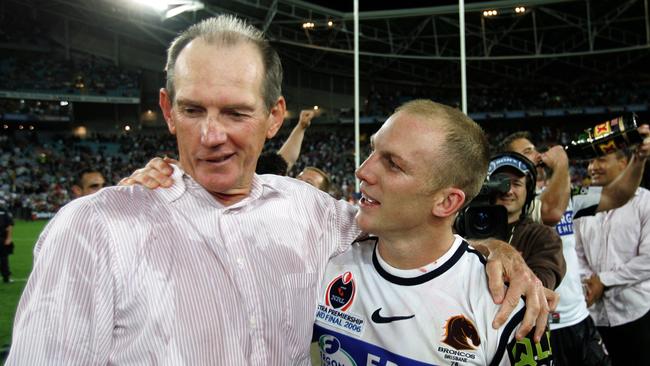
x: 416, y: 294
x: 614, y: 251
x: 223, y: 266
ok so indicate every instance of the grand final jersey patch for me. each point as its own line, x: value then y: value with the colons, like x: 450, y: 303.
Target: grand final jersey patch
x: 339, y: 296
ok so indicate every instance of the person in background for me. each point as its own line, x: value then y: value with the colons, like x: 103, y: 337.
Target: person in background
x: 290, y: 150
x: 87, y: 182
x: 614, y: 250
x: 6, y: 241
x: 271, y: 163
x: 539, y: 244
x: 574, y: 337
x: 315, y: 177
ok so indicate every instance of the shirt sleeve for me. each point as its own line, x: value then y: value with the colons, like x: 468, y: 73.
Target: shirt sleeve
x: 585, y: 268
x: 638, y: 268
x: 344, y: 225
x: 535, y: 211
x: 65, y: 315
x: 542, y: 251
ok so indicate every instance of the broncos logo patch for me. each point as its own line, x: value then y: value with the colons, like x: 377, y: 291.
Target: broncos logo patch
x: 461, y: 334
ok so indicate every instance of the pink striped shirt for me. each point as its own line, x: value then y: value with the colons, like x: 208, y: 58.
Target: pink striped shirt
x: 172, y: 277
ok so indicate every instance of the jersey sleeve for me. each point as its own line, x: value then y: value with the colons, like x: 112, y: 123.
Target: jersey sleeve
x: 586, y: 204
x: 527, y: 352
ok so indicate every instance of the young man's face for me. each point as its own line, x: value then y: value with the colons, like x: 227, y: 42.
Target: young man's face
x: 396, y: 179
x: 218, y: 115
x: 603, y: 170
x: 515, y: 198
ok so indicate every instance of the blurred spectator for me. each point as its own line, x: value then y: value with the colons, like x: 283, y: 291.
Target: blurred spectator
x: 88, y: 181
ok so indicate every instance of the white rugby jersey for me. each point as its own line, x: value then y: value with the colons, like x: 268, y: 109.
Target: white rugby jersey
x: 370, y: 313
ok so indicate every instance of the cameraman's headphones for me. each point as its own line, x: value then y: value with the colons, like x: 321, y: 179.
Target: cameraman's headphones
x: 522, y: 164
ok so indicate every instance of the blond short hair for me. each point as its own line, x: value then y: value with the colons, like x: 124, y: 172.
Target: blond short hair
x: 464, y: 154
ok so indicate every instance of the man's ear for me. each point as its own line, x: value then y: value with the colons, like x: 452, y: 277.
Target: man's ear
x: 165, y: 103
x: 447, y: 202
x: 276, y: 117
x: 76, y: 190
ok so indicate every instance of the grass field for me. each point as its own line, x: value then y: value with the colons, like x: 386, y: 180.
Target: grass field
x: 25, y: 235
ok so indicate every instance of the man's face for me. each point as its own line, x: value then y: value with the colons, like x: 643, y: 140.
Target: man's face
x: 515, y: 198
x: 90, y: 183
x: 312, y: 177
x: 396, y: 183
x: 527, y: 149
x: 218, y: 115
x: 603, y: 170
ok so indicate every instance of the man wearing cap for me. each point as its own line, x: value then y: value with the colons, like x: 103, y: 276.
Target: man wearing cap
x: 539, y: 244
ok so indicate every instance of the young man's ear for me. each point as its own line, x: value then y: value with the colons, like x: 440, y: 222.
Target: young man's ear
x: 276, y: 117
x: 447, y: 202
x: 166, y: 105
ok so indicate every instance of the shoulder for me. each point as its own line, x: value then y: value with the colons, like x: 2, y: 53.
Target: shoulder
x: 289, y: 185
x: 642, y: 194
x: 529, y: 233
x: 297, y: 191
x: 642, y: 199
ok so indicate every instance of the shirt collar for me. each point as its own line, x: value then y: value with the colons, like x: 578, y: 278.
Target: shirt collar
x: 177, y: 189
x: 260, y: 189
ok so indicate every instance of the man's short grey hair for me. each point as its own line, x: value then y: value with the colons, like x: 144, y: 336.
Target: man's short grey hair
x: 228, y: 30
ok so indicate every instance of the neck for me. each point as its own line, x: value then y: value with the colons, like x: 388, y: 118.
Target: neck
x: 513, y: 217
x: 229, y: 199
x: 409, y: 252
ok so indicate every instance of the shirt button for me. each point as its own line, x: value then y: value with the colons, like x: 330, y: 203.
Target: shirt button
x: 252, y: 321
x: 240, y: 262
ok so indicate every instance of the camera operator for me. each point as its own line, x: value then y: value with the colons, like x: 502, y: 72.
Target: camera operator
x: 540, y: 246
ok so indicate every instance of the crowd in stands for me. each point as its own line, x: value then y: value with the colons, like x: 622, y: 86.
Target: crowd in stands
x: 84, y: 75
x: 382, y: 101
x: 35, y: 107
x: 36, y: 172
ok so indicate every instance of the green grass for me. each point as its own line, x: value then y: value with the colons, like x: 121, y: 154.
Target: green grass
x: 25, y: 234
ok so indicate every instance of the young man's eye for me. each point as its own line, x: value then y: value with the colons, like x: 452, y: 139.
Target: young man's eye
x: 392, y: 165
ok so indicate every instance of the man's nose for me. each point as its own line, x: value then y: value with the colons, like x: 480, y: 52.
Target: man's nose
x: 213, y: 132
x: 364, y: 172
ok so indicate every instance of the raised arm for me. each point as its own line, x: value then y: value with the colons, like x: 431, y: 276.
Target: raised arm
x: 619, y: 191
x: 290, y: 150
x: 555, y: 197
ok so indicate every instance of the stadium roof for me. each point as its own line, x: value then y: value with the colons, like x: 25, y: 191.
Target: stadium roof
x: 551, y: 42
